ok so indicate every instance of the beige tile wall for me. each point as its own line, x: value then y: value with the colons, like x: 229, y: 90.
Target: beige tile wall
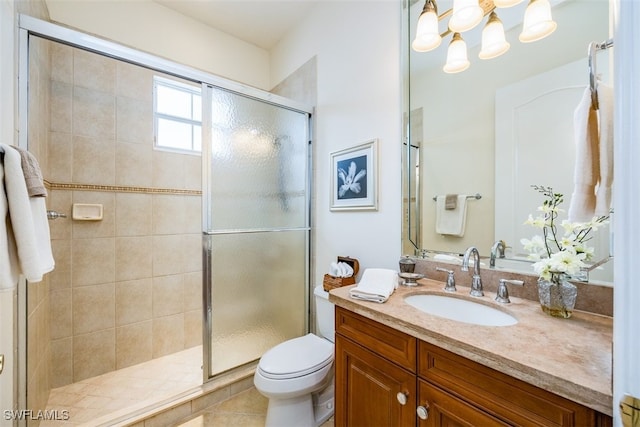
x: 126, y: 289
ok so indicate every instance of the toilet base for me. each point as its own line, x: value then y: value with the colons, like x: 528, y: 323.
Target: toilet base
x: 308, y: 410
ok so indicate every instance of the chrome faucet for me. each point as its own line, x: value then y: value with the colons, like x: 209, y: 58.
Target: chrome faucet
x: 476, y: 282
x: 497, y: 250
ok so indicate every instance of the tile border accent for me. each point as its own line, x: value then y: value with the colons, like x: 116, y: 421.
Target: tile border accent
x: 119, y: 189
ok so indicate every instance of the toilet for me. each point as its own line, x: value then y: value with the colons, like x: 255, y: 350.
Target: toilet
x: 297, y: 375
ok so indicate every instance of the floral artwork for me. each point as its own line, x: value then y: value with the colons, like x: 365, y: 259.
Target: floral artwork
x: 354, y: 184
x: 350, y: 174
x: 561, y: 248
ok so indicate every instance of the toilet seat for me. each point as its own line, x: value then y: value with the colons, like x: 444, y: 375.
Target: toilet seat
x: 296, y: 358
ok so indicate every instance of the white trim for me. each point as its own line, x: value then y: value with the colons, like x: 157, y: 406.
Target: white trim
x: 626, y: 346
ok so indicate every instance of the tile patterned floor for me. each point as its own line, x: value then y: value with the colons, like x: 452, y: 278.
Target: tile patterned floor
x: 246, y: 409
x: 127, y: 389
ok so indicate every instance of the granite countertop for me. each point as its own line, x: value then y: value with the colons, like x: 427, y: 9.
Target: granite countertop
x: 569, y: 357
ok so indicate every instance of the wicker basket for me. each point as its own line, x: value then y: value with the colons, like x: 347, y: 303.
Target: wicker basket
x: 332, y: 282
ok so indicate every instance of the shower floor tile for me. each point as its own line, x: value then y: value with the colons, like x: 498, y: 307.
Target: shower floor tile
x: 131, y: 388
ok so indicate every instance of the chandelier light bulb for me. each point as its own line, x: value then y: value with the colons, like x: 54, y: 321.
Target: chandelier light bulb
x: 457, y: 60
x: 427, y: 31
x: 466, y: 15
x: 494, y: 42
x: 538, y: 22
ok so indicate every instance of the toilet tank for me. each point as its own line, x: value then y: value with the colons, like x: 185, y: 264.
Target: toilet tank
x: 325, y: 318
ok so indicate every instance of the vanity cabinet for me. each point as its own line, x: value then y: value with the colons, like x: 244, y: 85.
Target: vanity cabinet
x: 375, y: 373
x: 385, y: 377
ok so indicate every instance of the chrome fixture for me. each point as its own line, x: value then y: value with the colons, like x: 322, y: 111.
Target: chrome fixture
x: 451, y: 280
x: 503, y: 293
x: 583, y: 274
x: 51, y: 215
x: 466, y: 15
x: 497, y: 250
x: 476, y: 281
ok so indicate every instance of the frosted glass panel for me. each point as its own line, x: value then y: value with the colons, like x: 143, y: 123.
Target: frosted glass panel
x: 258, y: 227
x: 258, y: 294
x: 259, y: 158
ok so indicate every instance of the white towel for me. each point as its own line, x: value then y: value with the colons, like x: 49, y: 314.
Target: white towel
x: 451, y: 221
x: 605, y: 116
x: 587, y: 166
x: 376, y: 284
x: 25, y: 246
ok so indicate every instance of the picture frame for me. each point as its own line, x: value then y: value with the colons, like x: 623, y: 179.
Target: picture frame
x: 354, y: 177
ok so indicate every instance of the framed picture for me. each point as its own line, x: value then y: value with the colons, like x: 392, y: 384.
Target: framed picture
x: 354, y: 176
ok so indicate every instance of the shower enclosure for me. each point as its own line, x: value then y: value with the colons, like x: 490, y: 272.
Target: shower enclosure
x: 196, y: 251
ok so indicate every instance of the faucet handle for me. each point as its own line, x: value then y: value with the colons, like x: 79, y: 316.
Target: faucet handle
x: 451, y: 280
x: 502, y: 295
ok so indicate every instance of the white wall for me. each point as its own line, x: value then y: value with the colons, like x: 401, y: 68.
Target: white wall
x: 153, y: 28
x: 357, y: 44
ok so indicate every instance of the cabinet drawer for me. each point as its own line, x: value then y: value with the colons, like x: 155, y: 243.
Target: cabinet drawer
x: 389, y: 343
x: 504, y: 397
x: 447, y: 410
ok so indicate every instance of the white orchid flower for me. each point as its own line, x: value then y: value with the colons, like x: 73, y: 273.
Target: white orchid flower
x: 350, y: 180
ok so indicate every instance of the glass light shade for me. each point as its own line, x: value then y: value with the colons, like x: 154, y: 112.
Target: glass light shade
x: 457, y: 60
x: 538, y: 22
x: 466, y: 15
x: 506, y: 3
x: 427, y: 32
x: 494, y: 43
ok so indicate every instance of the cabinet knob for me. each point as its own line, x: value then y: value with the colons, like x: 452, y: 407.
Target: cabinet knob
x: 423, y: 413
x: 402, y: 397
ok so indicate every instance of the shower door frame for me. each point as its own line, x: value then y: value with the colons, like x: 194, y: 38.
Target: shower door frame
x: 209, y: 232
x: 30, y: 26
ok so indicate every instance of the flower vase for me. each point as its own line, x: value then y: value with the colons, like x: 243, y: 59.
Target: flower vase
x: 557, y: 295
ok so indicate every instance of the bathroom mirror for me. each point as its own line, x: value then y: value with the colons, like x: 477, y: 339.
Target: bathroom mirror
x: 464, y: 133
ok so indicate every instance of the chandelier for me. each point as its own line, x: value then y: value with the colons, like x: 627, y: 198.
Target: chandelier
x: 467, y: 14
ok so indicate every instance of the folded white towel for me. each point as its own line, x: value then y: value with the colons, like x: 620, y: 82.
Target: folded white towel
x: 605, y: 115
x: 25, y: 247
x: 376, y: 284
x: 451, y: 221
x: 587, y: 166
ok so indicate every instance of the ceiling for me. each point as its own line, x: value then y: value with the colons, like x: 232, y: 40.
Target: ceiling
x: 259, y: 22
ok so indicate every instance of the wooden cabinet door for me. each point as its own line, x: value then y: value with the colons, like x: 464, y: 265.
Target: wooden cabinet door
x: 367, y: 386
x: 446, y: 410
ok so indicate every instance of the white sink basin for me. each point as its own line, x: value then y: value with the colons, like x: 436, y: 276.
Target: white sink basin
x: 461, y: 310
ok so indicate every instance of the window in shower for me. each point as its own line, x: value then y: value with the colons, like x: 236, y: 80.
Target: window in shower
x: 177, y: 115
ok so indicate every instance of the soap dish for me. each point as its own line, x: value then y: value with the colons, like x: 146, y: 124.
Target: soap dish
x: 87, y: 212
x: 410, y: 278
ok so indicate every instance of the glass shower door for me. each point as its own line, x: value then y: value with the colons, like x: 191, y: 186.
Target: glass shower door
x: 256, y: 227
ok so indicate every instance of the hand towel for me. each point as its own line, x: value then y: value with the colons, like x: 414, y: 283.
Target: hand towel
x: 450, y: 201
x: 605, y: 116
x: 587, y: 165
x: 25, y: 246
x: 451, y: 221
x: 32, y: 173
x: 376, y: 284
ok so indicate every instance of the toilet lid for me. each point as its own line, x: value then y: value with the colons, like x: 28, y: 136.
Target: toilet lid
x: 296, y: 357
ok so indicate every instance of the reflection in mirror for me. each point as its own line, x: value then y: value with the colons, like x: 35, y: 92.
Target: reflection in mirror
x: 497, y: 128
